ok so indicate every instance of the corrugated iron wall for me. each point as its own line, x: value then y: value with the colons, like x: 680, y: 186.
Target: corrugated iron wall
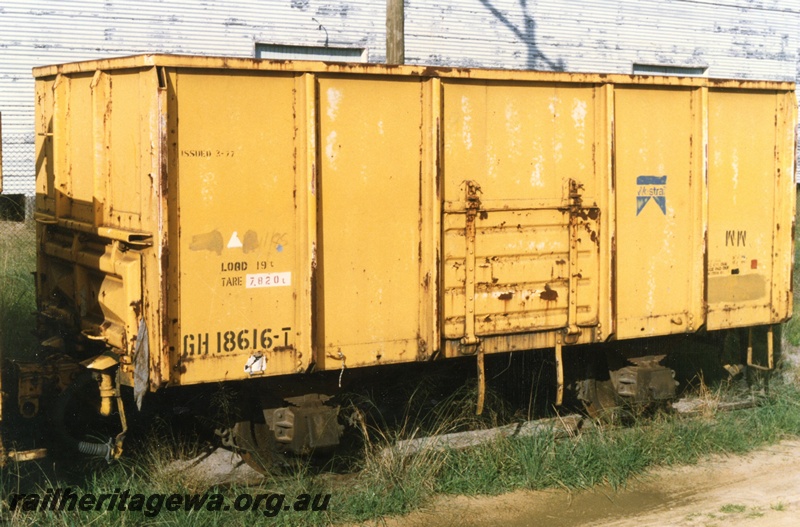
x: 747, y: 39
x: 739, y: 39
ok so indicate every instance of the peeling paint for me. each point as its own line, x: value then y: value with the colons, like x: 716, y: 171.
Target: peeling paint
x: 334, y: 97
x: 466, y: 122
x: 537, y: 179
x: 579, y: 120
x: 735, y: 170
x: 338, y: 9
x: 331, y: 148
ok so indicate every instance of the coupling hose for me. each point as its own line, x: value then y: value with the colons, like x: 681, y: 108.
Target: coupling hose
x: 103, y: 450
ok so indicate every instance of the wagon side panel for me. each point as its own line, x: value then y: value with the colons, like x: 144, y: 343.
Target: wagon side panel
x: 525, y: 188
x: 374, y: 248
x: 235, y: 296
x: 660, y: 221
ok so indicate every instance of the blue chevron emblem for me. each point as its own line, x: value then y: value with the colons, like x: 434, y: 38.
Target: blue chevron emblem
x: 651, y: 187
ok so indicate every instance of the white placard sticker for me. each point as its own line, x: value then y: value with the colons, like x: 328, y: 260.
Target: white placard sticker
x: 256, y: 364
x: 268, y: 280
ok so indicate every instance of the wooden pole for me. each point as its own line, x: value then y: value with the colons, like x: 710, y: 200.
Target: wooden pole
x: 1, y: 153
x: 395, y: 32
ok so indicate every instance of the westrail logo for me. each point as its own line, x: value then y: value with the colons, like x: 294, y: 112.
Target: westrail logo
x: 651, y: 187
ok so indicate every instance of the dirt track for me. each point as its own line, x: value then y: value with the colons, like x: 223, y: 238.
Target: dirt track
x: 758, y: 490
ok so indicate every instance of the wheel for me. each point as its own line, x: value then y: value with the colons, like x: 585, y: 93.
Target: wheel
x: 256, y: 445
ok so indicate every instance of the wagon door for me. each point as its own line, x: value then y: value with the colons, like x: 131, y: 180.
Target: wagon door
x: 522, y: 221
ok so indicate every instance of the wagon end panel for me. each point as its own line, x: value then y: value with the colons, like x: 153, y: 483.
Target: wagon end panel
x: 236, y: 142
x: 97, y: 206
x: 750, y: 182
x: 43, y: 128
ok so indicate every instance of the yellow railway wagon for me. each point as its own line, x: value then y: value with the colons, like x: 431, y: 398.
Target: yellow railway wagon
x: 205, y: 219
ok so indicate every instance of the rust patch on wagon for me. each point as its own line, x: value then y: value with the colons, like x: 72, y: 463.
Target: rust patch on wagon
x: 506, y: 296
x: 588, y: 213
x: 592, y: 234
x: 434, y: 71
x: 549, y: 294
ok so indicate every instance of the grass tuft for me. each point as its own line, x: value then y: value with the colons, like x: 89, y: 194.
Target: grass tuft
x: 17, y: 292
x: 732, y: 508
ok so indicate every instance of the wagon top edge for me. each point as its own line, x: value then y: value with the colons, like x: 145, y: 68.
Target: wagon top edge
x: 298, y: 67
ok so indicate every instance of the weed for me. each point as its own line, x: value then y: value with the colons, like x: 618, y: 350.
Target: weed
x: 791, y: 330
x: 732, y: 508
